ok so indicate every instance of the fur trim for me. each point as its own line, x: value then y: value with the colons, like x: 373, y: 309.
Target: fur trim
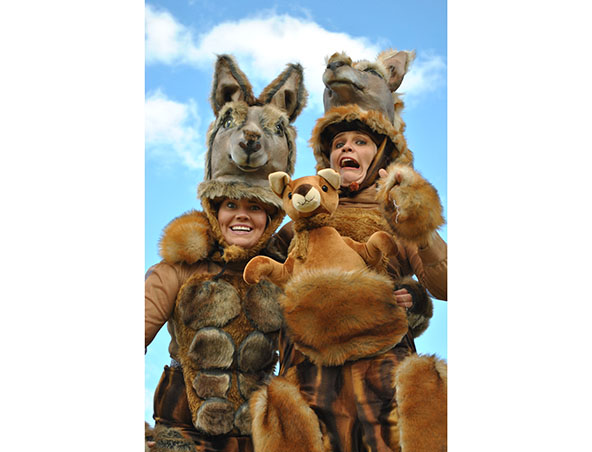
x: 217, y: 190
x: 208, y: 303
x: 170, y: 440
x: 419, y: 315
x: 412, y: 206
x: 336, y: 316
x: 422, y: 384
x: 186, y: 239
x: 282, y: 420
x: 396, y: 148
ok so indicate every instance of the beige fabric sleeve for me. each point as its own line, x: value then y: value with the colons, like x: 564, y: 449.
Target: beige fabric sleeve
x: 430, y: 264
x: 161, y: 288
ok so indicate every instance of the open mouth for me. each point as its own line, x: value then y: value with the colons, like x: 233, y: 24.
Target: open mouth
x: 348, y: 162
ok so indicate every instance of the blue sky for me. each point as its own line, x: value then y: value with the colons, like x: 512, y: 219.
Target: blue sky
x: 72, y: 176
x: 182, y: 40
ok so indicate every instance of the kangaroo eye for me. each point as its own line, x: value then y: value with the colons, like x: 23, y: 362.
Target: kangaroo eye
x: 290, y: 195
x: 279, y: 129
x: 325, y: 188
x: 372, y: 71
x: 228, y: 122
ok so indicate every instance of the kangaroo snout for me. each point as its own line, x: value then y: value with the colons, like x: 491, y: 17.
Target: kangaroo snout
x: 250, y: 142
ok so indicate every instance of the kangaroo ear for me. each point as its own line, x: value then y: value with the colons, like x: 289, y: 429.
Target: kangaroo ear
x: 230, y: 84
x: 287, y: 91
x: 331, y: 176
x: 278, y: 181
x: 397, y: 63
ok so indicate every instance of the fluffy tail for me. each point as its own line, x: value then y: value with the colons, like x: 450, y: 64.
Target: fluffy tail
x: 282, y: 420
x: 421, y: 392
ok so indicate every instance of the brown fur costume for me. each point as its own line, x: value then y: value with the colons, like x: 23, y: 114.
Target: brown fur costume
x: 223, y: 331
x: 346, y: 330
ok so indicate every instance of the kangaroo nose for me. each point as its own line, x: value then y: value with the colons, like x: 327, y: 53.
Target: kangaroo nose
x: 335, y: 65
x: 250, y: 143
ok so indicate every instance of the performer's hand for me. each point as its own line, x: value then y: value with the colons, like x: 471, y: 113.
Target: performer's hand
x: 151, y: 444
x: 403, y: 298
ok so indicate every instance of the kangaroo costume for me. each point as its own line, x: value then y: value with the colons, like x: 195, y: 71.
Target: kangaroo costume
x: 391, y: 401
x: 223, y: 332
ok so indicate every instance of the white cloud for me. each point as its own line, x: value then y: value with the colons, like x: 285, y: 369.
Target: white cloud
x: 172, y: 130
x: 264, y: 44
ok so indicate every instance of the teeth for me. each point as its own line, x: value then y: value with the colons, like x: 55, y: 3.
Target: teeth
x: 241, y: 228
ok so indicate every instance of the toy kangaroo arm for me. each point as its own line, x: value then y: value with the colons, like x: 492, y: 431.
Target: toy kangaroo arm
x: 379, y: 244
x: 265, y: 267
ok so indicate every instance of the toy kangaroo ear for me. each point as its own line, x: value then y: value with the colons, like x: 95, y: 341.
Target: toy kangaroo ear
x: 331, y: 176
x: 287, y: 91
x: 397, y: 63
x: 230, y: 84
x: 278, y: 181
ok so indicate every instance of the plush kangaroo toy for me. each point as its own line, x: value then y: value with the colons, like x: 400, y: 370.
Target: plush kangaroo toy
x: 309, y: 201
x: 328, y: 273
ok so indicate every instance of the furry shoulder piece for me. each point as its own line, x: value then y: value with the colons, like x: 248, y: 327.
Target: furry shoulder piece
x: 349, y: 117
x: 186, y: 239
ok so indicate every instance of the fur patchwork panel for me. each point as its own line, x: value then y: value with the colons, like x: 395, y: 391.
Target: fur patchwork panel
x: 242, y: 419
x: 249, y: 383
x: 212, y: 348
x: 211, y: 384
x: 422, y: 384
x: 215, y: 417
x: 208, y: 303
x: 256, y: 352
x: 281, y: 417
x: 336, y: 316
x: 262, y: 307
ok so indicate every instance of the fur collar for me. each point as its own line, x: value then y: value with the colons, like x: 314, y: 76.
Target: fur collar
x: 186, y: 239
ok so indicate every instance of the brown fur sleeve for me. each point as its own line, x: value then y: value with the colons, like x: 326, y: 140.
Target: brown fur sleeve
x: 410, y: 204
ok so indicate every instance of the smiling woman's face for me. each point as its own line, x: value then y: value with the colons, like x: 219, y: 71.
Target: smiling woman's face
x: 242, y: 221
x: 352, y: 153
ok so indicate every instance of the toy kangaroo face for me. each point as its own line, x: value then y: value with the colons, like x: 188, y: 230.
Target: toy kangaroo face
x: 370, y: 85
x: 252, y: 137
x: 309, y: 195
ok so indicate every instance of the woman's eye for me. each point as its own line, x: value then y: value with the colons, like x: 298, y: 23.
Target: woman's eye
x: 231, y: 205
x: 338, y: 145
x: 255, y: 208
x: 361, y: 142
